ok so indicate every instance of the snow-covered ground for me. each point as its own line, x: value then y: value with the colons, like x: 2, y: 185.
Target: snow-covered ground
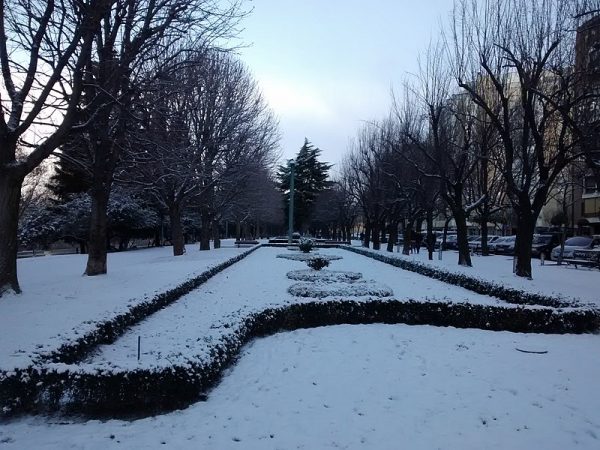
x: 550, y: 279
x: 371, y: 387
x: 188, y: 328
x: 376, y: 386
x: 58, y: 302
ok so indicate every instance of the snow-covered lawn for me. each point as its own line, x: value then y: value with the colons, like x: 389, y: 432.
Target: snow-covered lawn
x: 58, y: 303
x: 187, y: 329
x: 550, y: 279
x: 376, y: 386
x: 371, y: 387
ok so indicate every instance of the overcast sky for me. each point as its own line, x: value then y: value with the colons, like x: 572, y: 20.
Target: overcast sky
x: 326, y: 66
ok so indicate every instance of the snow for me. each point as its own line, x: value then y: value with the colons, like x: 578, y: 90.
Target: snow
x: 186, y: 330
x: 367, y: 386
x: 550, y: 279
x: 58, y: 302
x: 371, y: 386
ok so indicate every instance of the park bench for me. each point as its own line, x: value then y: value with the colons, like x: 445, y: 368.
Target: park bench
x: 30, y: 253
x: 585, y: 258
x: 63, y: 251
x: 244, y: 243
x: 582, y: 262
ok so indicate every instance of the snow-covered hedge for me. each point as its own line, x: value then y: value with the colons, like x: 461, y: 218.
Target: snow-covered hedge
x: 333, y: 276
x: 321, y: 289
x: 108, y: 331
x: 477, y: 285
x: 107, y: 393
x: 304, y: 257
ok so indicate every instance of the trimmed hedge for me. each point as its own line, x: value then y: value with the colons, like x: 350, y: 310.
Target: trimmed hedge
x: 477, y: 285
x: 16, y: 386
x: 107, y: 332
x: 58, y: 387
x: 143, y: 391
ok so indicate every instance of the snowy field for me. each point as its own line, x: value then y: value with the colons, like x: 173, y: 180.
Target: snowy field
x: 375, y: 386
x: 186, y: 330
x: 58, y: 302
x: 371, y: 387
x: 550, y: 279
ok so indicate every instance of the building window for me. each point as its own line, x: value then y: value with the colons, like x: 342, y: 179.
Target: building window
x: 590, y: 185
x: 591, y: 207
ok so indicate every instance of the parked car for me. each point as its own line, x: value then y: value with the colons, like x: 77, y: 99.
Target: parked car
x: 474, y: 241
x: 543, y: 244
x: 451, y: 242
x: 505, y: 245
x: 575, y: 243
x: 476, y: 246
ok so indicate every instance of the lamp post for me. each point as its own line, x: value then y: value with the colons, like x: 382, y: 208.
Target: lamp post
x: 292, y: 165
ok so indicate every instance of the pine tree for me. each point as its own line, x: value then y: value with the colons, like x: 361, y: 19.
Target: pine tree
x: 310, y: 179
x: 71, y: 171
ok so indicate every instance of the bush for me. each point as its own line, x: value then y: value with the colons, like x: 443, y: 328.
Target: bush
x: 141, y: 391
x: 317, y: 263
x: 483, y: 287
x: 306, y: 245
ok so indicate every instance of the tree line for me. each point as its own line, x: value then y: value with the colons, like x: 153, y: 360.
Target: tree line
x: 147, y: 111
x: 497, y: 112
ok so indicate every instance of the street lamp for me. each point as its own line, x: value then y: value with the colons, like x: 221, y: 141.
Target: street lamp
x: 292, y: 165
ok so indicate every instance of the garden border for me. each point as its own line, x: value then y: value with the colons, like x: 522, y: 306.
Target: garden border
x: 477, y: 285
x: 105, y: 332
x: 58, y: 388
x: 51, y: 384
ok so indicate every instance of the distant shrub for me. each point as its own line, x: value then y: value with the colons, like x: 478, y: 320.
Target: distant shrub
x: 510, y: 295
x: 306, y: 245
x: 325, y: 276
x: 317, y: 263
x: 146, y: 391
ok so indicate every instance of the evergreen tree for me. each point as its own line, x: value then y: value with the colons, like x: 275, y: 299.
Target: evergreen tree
x: 71, y: 171
x: 310, y: 179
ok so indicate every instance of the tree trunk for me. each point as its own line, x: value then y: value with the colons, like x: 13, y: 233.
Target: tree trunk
x: 205, y: 230
x: 97, y: 243
x: 406, y: 247
x: 375, y: 234
x: 524, y: 239
x: 177, y: 238
x: 464, y: 257
x: 238, y: 230
x: 393, y: 232
x: 216, y: 236
x: 484, y: 238
x: 10, y: 196
x: 367, y: 237
x: 430, y: 240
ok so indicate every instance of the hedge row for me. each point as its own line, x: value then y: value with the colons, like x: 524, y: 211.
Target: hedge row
x: 144, y: 391
x: 479, y: 286
x: 106, y: 332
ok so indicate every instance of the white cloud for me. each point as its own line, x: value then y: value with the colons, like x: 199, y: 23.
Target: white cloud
x: 292, y: 99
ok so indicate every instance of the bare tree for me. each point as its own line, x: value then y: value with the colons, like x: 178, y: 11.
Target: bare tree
x: 161, y: 160
x: 132, y: 34
x: 207, y: 130
x: 366, y: 180
x: 256, y: 206
x: 441, y: 125
x: 44, y: 47
x: 514, y: 58
x: 232, y: 130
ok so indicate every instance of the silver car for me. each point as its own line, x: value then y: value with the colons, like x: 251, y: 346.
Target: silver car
x: 505, y: 245
x: 573, y: 244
